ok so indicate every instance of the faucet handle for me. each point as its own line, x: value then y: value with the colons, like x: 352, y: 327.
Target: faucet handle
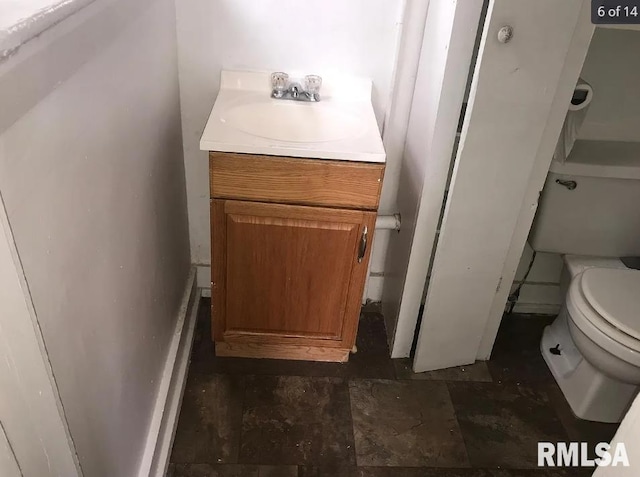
x: 312, y: 84
x: 279, y: 84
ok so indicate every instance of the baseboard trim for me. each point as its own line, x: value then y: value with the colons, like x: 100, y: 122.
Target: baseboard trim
x: 537, y: 308
x: 155, y: 459
x: 204, y: 275
x: 375, y: 284
x: 272, y: 351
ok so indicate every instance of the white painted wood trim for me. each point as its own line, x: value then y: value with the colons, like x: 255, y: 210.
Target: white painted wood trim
x: 445, y: 59
x: 204, y: 279
x: 573, y: 65
x: 8, y: 464
x: 31, y: 411
x: 167, y: 406
x: 621, y: 27
x: 176, y: 392
x: 42, y: 17
x: 397, y: 121
x: 393, y: 138
x: 203, y: 275
x: 512, y: 94
x: 536, y: 309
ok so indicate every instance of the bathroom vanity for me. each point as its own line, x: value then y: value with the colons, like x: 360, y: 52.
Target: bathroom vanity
x: 294, y: 191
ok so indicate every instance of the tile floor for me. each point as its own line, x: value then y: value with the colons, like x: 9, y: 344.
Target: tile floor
x: 372, y: 417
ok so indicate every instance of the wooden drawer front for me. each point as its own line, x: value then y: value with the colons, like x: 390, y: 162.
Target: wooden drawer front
x: 295, y: 180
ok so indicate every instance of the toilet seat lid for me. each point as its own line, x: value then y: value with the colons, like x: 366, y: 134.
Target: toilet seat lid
x: 615, y: 295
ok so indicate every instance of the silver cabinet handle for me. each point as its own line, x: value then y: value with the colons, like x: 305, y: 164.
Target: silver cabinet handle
x: 362, y: 249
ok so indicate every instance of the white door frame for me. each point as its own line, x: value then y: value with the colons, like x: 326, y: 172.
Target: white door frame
x: 35, y: 437
x: 518, y: 100
x: 445, y: 58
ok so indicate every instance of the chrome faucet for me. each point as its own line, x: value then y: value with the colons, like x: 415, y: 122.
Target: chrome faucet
x: 282, y: 88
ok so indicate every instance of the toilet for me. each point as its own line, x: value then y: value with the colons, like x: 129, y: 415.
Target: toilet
x: 593, y: 347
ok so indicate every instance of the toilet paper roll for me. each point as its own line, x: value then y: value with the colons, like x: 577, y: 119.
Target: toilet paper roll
x: 578, y: 108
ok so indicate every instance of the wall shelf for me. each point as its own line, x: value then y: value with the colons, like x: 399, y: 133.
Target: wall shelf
x: 614, y: 159
x: 620, y: 27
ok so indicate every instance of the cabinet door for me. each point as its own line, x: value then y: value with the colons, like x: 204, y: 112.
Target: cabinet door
x: 288, y: 274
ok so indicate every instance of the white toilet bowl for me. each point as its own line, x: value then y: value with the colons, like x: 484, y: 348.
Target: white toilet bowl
x: 593, y: 347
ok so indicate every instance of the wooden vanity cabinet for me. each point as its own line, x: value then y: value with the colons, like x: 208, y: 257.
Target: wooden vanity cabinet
x: 291, y: 239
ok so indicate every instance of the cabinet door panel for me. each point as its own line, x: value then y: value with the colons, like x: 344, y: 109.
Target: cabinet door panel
x: 287, y: 276
x: 290, y: 272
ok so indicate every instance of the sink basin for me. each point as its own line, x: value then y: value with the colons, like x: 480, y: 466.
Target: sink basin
x: 291, y: 121
x: 246, y: 120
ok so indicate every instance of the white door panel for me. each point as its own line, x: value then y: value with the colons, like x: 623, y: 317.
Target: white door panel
x: 445, y: 58
x: 510, y: 106
x: 30, y: 409
x: 8, y: 464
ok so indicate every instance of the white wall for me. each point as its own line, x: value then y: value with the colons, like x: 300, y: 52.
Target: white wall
x: 355, y: 37
x: 92, y: 178
x: 613, y: 70
x: 540, y: 290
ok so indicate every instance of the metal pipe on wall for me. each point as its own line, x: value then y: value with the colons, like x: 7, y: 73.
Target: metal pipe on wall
x: 388, y: 222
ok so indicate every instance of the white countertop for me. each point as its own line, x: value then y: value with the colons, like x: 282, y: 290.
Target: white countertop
x: 240, y: 120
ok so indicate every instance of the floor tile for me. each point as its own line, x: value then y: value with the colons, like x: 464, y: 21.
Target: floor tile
x: 540, y: 473
x: 371, y: 361
x: 474, y: 372
x: 233, y: 470
x: 276, y: 367
x: 202, y: 350
x: 210, y: 420
x: 516, y: 356
x: 419, y: 472
x: 372, y: 307
x: 328, y: 471
x: 437, y: 472
x: 297, y: 420
x: 502, y: 424
x: 484, y: 473
x: 405, y: 423
x: 299, y: 413
x: 393, y: 472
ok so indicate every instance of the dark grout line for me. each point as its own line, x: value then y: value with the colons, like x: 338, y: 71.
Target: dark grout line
x: 243, y: 408
x: 353, y: 434
x: 455, y: 415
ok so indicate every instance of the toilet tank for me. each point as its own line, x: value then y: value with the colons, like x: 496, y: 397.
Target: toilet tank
x: 601, y: 216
